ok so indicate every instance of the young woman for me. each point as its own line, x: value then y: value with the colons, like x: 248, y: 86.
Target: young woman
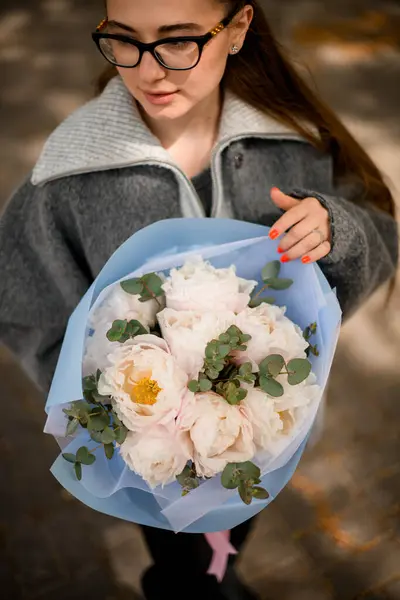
x: 199, y: 115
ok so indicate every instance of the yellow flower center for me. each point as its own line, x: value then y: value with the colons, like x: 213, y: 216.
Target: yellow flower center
x: 145, y: 391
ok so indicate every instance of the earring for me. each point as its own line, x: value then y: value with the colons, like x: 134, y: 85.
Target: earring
x: 235, y: 49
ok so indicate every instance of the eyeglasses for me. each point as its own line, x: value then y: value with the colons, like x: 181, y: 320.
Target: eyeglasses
x: 174, y: 53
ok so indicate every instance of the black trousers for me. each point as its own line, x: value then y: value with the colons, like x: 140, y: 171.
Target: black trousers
x: 181, y: 562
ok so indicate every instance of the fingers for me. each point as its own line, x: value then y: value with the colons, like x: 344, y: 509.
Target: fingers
x: 308, y: 246
x: 288, y: 220
x: 303, y: 230
x: 283, y: 201
x: 320, y: 252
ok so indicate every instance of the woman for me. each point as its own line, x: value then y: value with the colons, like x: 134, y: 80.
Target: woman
x: 199, y: 115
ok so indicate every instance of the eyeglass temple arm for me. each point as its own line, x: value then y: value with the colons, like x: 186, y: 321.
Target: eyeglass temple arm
x: 102, y: 24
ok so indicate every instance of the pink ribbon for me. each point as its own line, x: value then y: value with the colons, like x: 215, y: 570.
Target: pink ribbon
x: 222, y: 549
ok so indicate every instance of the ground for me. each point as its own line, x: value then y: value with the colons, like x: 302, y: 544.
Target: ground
x: 333, y: 533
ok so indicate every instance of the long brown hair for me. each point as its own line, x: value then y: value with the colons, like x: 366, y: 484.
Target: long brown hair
x: 262, y: 76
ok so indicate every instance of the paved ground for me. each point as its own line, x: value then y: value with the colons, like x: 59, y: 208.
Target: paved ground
x: 334, y: 532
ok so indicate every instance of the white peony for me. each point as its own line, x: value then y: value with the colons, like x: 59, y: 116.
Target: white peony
x: 261, y: 411
x: 158, y: 455
x: 221, y: 434
x: 145, y: 382
x: 117, y: 305
x: 271, y: 333
x: 188, y: 333
x: 201, y: 287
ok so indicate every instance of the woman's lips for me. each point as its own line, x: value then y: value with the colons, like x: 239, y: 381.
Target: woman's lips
x: 159, y: 98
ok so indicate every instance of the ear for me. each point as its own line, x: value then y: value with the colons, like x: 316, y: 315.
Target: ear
x: 241, y: 24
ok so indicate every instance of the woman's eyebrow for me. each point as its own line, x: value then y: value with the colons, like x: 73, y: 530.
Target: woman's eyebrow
x: 163, y: 29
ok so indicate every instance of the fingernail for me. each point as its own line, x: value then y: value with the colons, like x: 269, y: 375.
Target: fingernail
x: 306, y: 259
x: 273, y: 234
x: 285, y: 258
x: 280, y: 250
x: 274, y: 188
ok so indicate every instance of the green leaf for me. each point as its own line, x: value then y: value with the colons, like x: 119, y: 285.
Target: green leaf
x: 109, y: 450
x: 135, y: 328
x: 272, y: 365
x: 193, y: 386
x: 96, y: 436
x: 154, y: 283
x: 259, y: 493
x: 84, y: 457
x: 230, y: 476
x: 72, y: 427
x: 224, y: 338
x: 78, y: 471
x: 132, y: 286
x: 205, y: 385
x: 245, y: 492
x: 245, y: 369
x: 280, y: 284
x: 245, y: 337
x: 212, y: 373
x: 264, y: 300
x: 271, y: 270
x: 299, y: 369
x: 224, y: 350
x: 186, y: 474
x: 89, y: 384
x: 98, y: 422
x: 71, y: 458
x: 248, y: 470
x: 271, y: 387
x: 211, y: 349
x: 120, y: 433
x: 108, y: 436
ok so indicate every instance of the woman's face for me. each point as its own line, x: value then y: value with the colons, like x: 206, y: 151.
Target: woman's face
x: 150, y: 20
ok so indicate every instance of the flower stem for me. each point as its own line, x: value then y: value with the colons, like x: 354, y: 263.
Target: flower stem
x: 263, y: 289
x: 146, y: 287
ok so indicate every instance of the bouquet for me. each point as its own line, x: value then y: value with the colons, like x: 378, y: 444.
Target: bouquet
x: 185, y: 391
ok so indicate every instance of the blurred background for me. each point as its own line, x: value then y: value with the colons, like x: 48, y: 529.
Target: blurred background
x: 334, y: 531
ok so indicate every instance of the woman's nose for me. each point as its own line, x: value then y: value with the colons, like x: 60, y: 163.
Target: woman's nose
x: 150, y: 70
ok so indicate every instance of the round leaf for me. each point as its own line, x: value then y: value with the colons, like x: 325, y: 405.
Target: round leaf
x: 194, y: 386
x: 280, y: 284
x: 229, y: 476
x: 83, y: 456
x: 223, y: 350
x: 260, y: 493
x: 108, y: 436
x: 245, y: 369
x: 205, y: 385
x: 132, y: 286
x: 71, y: 458
x: 72, y: 427
x: 98, y: 422
x: 271, y: 387
x: 272, y: 365
x: 248, y: 470
x: 272, y: 269
x: 299, y: 369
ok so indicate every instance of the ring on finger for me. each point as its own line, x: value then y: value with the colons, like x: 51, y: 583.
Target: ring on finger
x: 321, y: 235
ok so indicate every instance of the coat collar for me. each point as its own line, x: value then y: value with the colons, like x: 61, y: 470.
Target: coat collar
x: 108, y: 133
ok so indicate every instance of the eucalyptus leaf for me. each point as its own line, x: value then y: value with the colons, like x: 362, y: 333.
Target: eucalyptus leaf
x: 248, y: 470
x: 98, y: 422
x: 84, y: 457
x: 245, y: 369
x: 205, y: 385
x: 120, y: 433
x: 245, y: 493
x: 299, y: 369
x: 271, y: 270
x: 259, y: 493
x: 186, y: 474
x: 71, y: 458
x: 89, y: 384
x: 230, y: 476
x: 78, y: 471
x: 72, y: 427
x: 109, y: 450
x: 279, y: 284
x: 224, y: 350
x: 132, y: 286
x: 272, y: 365
x: 271, y: 387
x: 193, y: 386
x: 224, y: 338
x: 108, y: 436
x: 263, y: 300
x: 154, y: 283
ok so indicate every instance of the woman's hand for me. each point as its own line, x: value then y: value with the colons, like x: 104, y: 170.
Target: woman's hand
x: 309, y: 237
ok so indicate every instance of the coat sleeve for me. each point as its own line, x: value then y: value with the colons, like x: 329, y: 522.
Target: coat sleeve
x: 42, y: 279
x: 365, y: 241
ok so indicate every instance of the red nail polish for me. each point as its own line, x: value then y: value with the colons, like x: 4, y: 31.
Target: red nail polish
x: 306, y: 259
x: 285, y: 258
x: 273, y: 234
x: 280, y: 251
x: 274, y: 188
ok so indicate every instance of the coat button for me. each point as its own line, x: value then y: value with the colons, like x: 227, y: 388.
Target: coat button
x: 238, y: 160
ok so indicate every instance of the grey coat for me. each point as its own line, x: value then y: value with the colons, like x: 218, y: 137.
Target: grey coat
x: 102, y: 176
